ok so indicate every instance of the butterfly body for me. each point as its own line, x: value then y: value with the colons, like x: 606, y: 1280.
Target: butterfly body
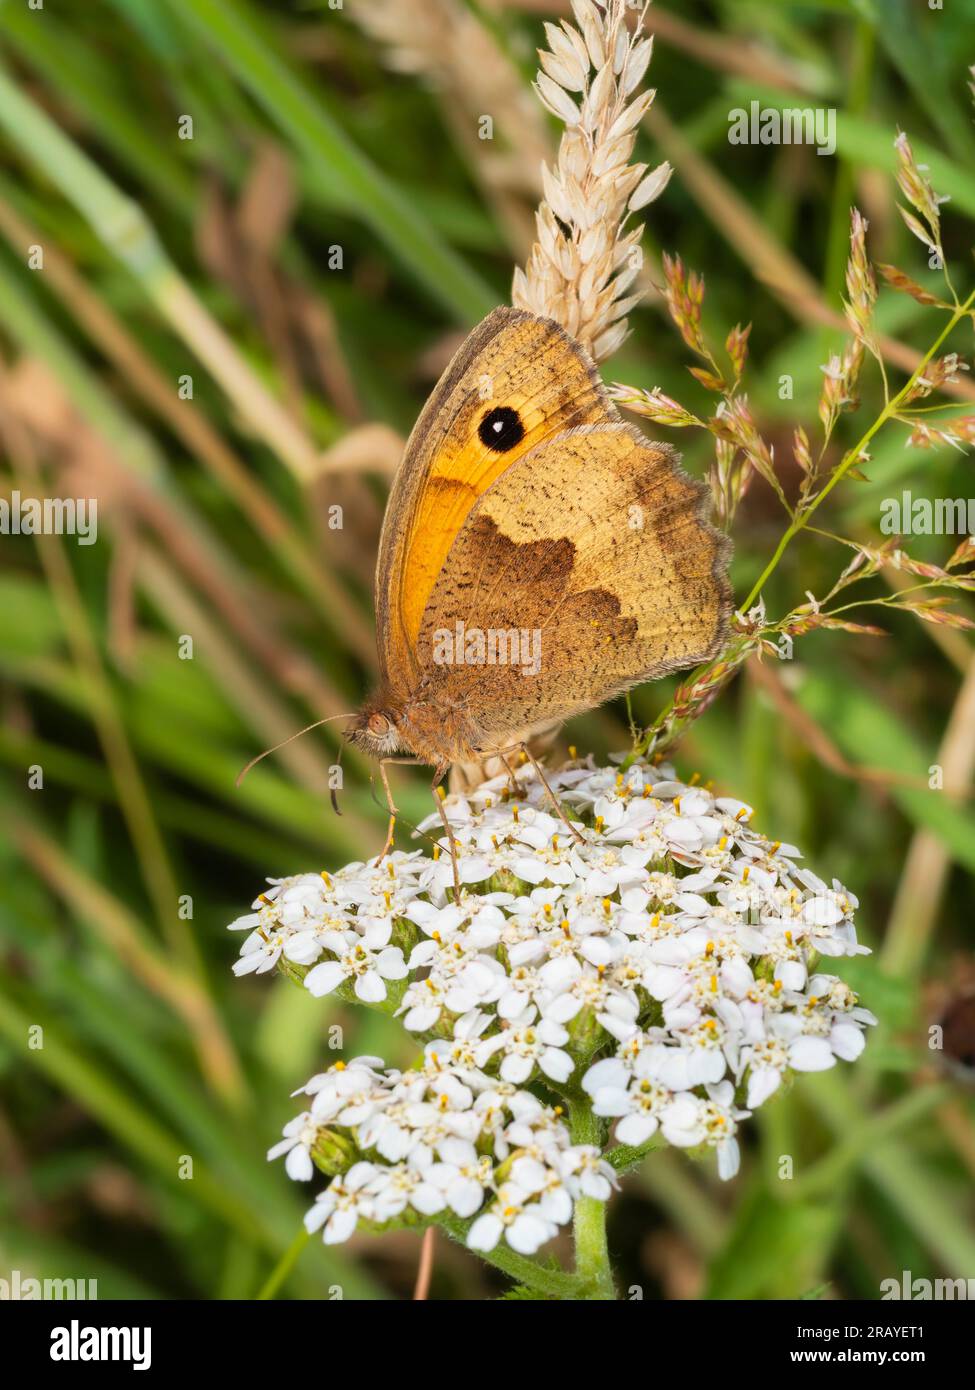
x: 538, y: 555
x: 424, y: 724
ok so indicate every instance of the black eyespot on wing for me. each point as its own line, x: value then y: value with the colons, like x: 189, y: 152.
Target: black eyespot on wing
x: 501, y: 429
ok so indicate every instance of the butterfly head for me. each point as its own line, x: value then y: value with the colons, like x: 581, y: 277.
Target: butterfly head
x: 374, y: 730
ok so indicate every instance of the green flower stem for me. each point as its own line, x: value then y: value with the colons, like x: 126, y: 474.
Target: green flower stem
x: 544, y: 1279
x: 284, y: 1266
x: 799, y: 523
x: 850, y: 458
x: 589, y: 1221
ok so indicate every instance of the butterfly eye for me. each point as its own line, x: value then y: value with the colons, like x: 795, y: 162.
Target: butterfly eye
x: 378, y: 725
x: 501, y: 429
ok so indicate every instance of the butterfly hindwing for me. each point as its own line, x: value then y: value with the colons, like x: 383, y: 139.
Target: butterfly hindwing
x: 593, y: 548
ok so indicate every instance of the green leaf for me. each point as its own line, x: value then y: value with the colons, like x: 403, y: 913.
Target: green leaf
x: 249, y: 48
x: 870, y: 733
x: 773, y: 1250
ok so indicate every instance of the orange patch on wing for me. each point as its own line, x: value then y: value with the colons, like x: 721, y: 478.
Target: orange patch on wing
x: 460, y: 475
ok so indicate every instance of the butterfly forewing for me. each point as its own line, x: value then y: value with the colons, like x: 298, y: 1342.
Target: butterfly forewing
x: 516, y: 381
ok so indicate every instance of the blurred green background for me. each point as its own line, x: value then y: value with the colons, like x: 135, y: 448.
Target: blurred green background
x: 235, y: 323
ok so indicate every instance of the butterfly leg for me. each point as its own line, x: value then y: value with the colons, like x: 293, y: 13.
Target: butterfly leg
x: 512, y: 779
x: 555, y: 801
x: 515, y: 789
x: 392, y: 810
x: 438, y: 777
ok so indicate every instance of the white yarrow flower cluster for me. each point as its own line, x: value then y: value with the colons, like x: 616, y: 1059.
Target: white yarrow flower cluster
x: 663, y: 960
x: 443, y: 1138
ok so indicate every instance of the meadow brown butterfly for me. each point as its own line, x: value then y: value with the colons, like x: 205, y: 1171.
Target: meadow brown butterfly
x: 538, y: 555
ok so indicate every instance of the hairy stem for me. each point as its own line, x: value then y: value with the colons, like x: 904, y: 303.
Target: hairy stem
x: 589, y: 1220
x: 543, y: 1279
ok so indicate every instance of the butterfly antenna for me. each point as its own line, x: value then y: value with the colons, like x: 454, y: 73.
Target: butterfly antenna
x: 284, y: 742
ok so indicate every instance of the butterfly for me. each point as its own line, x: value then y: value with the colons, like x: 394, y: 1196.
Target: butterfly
x: 538, y: 556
